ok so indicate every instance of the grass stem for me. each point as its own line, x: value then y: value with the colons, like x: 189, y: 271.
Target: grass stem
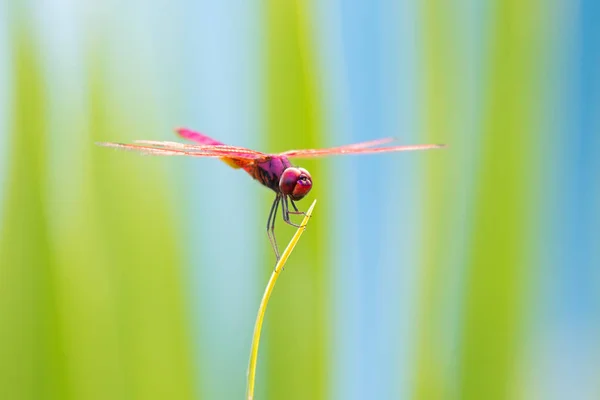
x: 265, y: 299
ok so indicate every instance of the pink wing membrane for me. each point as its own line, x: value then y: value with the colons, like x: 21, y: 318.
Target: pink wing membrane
x: 358, y: 148
x: 362, y: 145
x: 208, y: 147
x: 217, y: 148
x: 205, y: 140
x: 180, y: 149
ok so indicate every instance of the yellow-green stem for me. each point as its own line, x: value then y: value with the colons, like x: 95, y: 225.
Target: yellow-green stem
x: 263, y: 304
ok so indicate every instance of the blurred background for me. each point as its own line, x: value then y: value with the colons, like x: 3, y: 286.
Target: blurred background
x: 465, y: 273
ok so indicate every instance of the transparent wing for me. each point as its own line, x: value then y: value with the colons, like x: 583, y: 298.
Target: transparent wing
x: 358, y: 148
x: 362, y: 145
x: 180, y: 149
x: 202, y: 148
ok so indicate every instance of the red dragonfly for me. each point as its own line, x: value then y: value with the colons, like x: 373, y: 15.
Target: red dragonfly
x: 290, y: 183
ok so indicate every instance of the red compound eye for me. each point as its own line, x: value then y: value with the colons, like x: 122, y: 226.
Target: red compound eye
x: 295, y: 183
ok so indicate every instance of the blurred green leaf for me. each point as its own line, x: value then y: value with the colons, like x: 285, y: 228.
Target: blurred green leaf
x: 440, y: 113
x: 298, y: 323
x: 92, y: 289
x: 499, y: 258
x: 32, y: 362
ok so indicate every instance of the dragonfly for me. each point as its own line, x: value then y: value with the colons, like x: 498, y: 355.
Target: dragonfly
x: 275, y: 171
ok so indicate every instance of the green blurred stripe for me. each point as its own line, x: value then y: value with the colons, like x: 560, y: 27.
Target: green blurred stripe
x: 501, y: 252
x: 31, y: 350
x: 136, y: 227
x: 441, y: 111
x: 296, y: 321
x: 91, y: 287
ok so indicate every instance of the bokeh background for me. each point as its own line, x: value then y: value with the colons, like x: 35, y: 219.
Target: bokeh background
x: 467, y: 273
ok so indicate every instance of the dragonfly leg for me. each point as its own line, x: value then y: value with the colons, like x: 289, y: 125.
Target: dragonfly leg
x: 295, y: 209
x: 271, y: 225
x: 286, y: 212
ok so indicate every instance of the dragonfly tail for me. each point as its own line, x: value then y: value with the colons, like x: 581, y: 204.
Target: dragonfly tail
x: 197, y: 137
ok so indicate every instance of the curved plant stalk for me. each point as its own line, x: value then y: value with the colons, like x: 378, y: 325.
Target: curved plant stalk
x: 265, y: 299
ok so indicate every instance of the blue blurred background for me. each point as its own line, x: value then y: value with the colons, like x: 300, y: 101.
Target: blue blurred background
x: 467, y: 273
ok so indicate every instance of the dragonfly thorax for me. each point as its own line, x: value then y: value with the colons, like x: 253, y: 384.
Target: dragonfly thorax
x: 295, y: 183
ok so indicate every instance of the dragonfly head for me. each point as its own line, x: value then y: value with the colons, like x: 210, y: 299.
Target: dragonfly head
x: 295, y: 183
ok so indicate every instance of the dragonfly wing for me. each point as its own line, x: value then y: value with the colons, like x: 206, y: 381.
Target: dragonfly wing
x: 237, y: 157
x: 353, y: 149
x: 142, y: 149
x: 220, y: 149
x: 362, y: 145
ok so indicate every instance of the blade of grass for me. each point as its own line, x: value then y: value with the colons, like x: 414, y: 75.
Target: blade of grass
x: 265, y: 300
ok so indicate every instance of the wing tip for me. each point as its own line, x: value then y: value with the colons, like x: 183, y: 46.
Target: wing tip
x: 108, y: 144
